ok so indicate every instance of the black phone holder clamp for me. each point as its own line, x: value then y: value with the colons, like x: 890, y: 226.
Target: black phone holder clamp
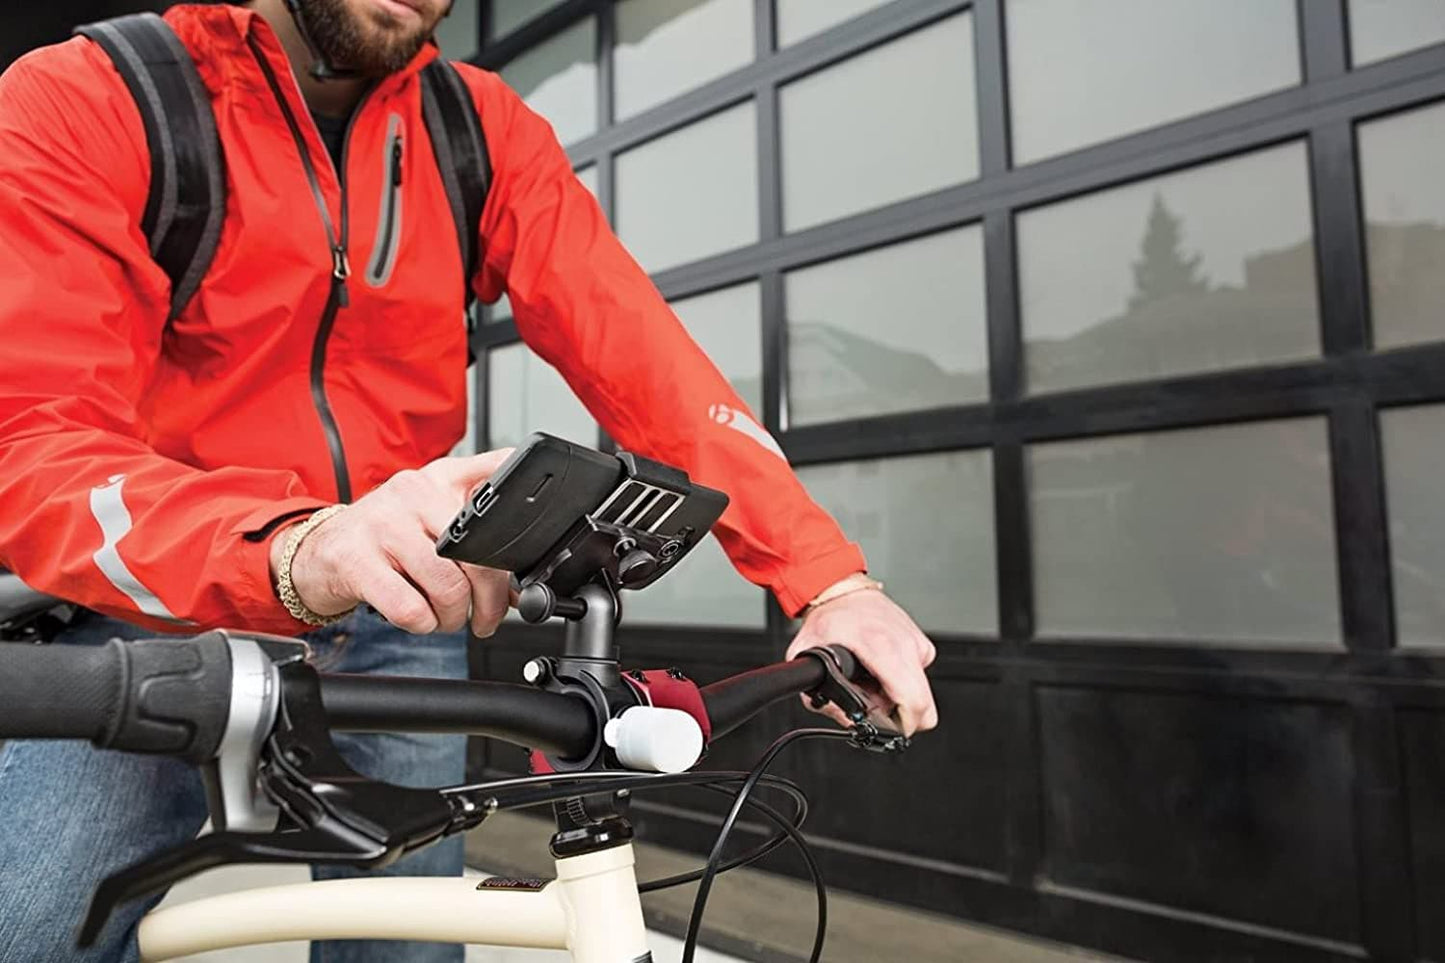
x: 589, y: 666
x: 601, y: 553
x: 581, y: 581
x: 603, y: 557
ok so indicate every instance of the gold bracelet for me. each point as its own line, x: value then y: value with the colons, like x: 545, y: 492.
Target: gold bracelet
x: 857, y: 582
x: 284, y: 587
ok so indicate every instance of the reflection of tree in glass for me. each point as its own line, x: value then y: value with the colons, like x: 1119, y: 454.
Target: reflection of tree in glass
x: 1163, y: 270
x: 1178, y: 320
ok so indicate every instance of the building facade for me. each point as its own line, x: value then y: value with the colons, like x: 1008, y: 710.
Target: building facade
x: 1111, y: 330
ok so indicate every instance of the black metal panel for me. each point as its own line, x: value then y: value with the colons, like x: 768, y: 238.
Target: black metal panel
x: 1218, y: 806
x: 1422, y: 745
x: 944, y: 800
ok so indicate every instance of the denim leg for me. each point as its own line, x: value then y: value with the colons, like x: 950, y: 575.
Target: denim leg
x: 71, y: 815
x: 368, y: 644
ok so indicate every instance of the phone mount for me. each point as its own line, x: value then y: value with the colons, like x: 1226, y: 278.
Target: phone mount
x: 624, y: 543
x: 652, y: 518
x: 581, y: 582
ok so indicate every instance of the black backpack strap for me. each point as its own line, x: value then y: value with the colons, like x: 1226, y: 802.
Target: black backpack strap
x: 187, y: 202
x: 461, y: 152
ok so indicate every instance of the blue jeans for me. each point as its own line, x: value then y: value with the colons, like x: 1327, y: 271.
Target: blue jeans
x: 71, y: 815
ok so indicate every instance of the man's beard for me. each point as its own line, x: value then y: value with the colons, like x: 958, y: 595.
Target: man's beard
x: 369, y: 46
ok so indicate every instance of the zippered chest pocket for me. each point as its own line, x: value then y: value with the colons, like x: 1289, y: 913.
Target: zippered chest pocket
x: 388, y: 222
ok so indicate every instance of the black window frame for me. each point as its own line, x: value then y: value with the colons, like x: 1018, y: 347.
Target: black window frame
x: 1349, y: 385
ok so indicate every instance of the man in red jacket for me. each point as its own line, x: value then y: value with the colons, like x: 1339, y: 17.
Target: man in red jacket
x: 152, y: 470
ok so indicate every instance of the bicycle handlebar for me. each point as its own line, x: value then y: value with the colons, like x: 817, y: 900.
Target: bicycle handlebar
x: 173, y: 697
x: 254, y: 717
x: 555, y: 724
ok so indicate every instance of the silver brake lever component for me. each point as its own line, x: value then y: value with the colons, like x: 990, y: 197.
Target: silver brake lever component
x: 233, y: 793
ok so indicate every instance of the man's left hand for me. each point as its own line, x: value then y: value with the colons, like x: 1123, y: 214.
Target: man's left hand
x: 890, y: 646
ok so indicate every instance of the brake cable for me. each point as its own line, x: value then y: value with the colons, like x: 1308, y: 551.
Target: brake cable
x: 714, y: 859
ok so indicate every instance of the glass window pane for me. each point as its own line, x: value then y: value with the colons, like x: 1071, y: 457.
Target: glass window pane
x: 459, y: 33
x: 668, y: 47
x: 1202, y: 270
x: 501, y: 311
x: 1414, y: 466
x: 704, y: 589
x: 1210, y: 534
x: 468, y: 444
x: 588, y: 176
x: 925, y: 523
x: 1401, y: 160
x: 665, y: 217
x: 1083, y: 71
x: 728, y: 325
x: 508, y: 15
x: 526, y: 394
x: 916, y: 94
x: 558, y: 79
x: 899, y: 328
x: 1386, y: 28
x: 801, y: 19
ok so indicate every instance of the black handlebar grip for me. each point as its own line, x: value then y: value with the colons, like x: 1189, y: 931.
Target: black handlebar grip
x: 58, y: 691
x: 737, y: 699
x: 161, y: 696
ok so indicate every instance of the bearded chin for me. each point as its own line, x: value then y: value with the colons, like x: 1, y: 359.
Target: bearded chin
x: 348, y: 42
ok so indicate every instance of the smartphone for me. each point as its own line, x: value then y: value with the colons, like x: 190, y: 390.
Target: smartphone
x: 551, y: 492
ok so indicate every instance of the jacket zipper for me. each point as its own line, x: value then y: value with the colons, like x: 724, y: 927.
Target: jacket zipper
x: 388, y: 235
x: 338, y: 297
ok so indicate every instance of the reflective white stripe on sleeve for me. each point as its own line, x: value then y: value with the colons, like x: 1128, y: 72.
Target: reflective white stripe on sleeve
x: 740, y: 420
x: 114, y: 518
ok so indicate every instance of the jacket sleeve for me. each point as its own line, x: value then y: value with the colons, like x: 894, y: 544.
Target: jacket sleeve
x: 88, y: 510
x: 585, y: 306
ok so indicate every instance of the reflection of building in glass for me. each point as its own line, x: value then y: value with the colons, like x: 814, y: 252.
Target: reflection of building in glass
x: 925, y: 523
x: 1407, y: 287
x: 1187, y: 534
x: 1179, y: 322
x: 841, y: 373
x: 1414, y: 466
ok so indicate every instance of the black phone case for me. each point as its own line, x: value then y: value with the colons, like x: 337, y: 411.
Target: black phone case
x: 559, y: 513
x: 530, y: 503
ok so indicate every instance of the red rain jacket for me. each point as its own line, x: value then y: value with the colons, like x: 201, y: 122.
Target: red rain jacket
x: 140, y: 463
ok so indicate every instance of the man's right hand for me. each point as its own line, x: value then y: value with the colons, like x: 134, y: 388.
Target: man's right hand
x: 382, y: 551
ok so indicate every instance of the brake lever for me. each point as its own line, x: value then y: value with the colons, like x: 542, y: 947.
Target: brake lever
x: 871, y: 730
x: 329, y: 812
x: 209, y: 851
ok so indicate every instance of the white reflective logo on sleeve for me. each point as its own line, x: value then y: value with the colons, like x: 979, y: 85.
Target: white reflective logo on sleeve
x: 110, y: 511
x: 739, y: 420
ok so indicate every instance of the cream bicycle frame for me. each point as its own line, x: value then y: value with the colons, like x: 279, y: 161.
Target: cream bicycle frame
x: 591, y: 909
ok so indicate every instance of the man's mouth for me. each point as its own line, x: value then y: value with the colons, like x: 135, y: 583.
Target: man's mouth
x: 401, y: 9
